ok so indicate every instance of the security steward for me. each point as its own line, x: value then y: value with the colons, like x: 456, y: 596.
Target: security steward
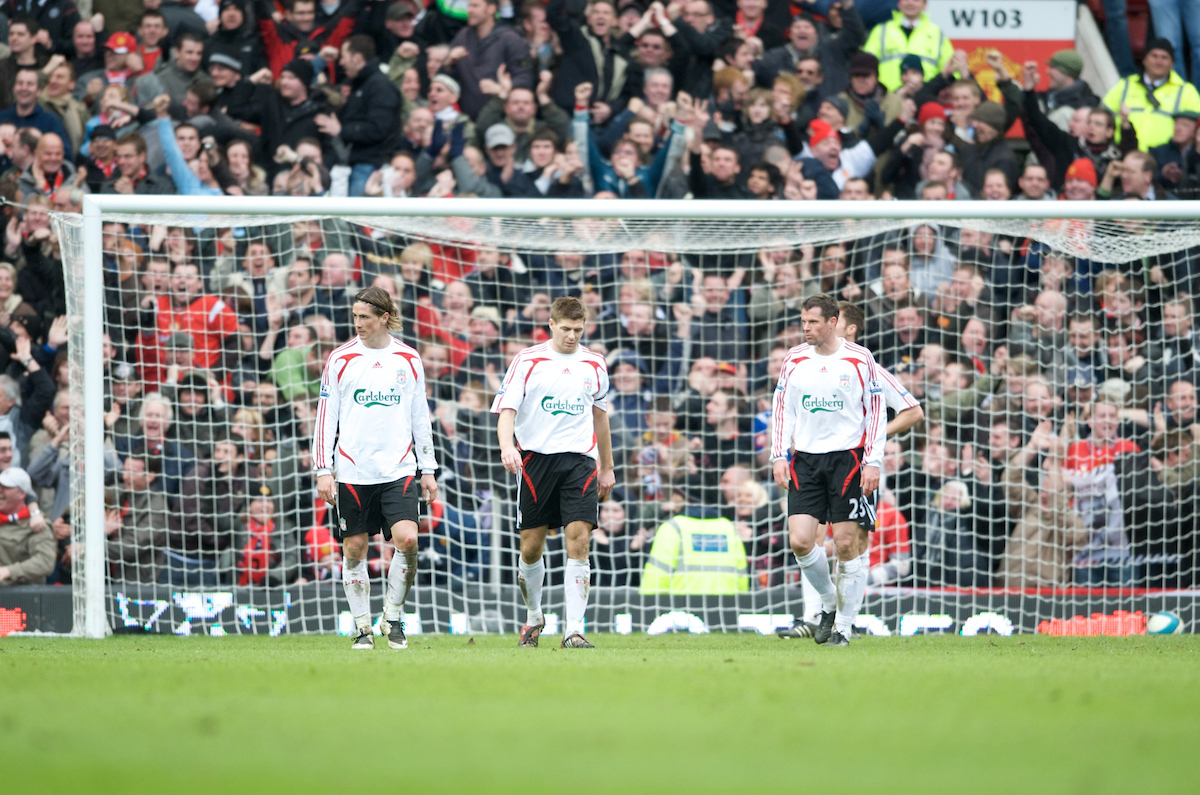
x: 695, y: 553
x: 1153, y: 97
x: 908, y: 32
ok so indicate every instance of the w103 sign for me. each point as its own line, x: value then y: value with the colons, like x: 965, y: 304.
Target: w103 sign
x: 1022, y: 30
x: 996, y: 20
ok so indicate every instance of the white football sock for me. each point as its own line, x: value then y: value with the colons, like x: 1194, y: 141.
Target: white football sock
x: 357, y: 584
x: 577, y: 581
x: 815, y: 566
x: 531, y: 579
x: 401, y: 573
x: 812, y: 600
x: 851, y: 585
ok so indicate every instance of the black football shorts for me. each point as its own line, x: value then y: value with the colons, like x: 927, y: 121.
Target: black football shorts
x: 829, y: 487
x: 556, y: 490
x: 375, y: 508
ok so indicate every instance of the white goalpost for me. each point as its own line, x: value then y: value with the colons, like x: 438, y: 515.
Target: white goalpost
x: 207, y: 559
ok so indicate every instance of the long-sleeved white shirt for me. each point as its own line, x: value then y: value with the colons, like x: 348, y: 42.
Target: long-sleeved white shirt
x: 372, y: 419
x: 828, y: 403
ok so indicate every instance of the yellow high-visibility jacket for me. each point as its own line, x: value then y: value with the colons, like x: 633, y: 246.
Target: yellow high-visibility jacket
x: 696, y: 556
x: 888, y: 43
x: 1152, y: 114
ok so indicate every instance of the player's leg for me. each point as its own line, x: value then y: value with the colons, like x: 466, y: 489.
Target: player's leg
x: 355, y: 536
x: 400, y: 507
x: 402, y: 572
x: 864, y: 572
x: 578, y: 508
x: 814, y: 567
x: 851, y: 580
x: 807, y: 508
x: 537, y: 512
x: 576, y: 582
x: 531, y: 577
x: 849, y: 512
x: 805, y: 625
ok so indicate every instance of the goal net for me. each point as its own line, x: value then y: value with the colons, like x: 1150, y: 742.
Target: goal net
x: 1051, y: 480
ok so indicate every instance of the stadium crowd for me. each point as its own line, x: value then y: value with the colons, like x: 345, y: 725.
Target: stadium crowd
x: 1060, y: 438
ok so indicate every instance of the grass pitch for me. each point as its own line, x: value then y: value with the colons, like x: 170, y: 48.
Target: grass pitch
x: 717, y: 713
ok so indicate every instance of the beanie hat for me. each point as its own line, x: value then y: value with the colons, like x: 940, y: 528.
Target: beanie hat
x: 911, y: 63
x: 1083, y: 169
x: 819, y: 130
x: 1069, y: 62
x: 1161, y: 44
x: 930, y: 110
x: 990, y: 114
x: 806, y: 17
x: 841, y: 104
x: 302, y: 69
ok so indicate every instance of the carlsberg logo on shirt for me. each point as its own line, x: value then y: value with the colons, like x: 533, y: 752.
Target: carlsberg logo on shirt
x: 367, y: 398
x: 562, y: 406
x: 819, y: 404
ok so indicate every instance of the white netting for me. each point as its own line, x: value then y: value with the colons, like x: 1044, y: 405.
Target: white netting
x: 1010, y: 497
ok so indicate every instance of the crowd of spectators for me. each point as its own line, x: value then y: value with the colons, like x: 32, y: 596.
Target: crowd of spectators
x: 1059, y: 445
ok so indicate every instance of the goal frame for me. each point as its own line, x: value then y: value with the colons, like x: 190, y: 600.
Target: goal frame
x: 95, y: 207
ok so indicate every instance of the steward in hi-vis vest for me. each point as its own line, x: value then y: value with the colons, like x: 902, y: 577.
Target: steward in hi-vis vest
x: 908, y: 32
x: 696, y: 556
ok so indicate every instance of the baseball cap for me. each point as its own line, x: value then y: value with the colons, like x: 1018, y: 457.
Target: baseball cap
x: 487, y: 313
x: 499, y: 135
x: 627, y: 356
x: 104, y: 131
x: 1080, y: 378
x: 450, y: 83
x: 228, y: 61
x: 121, y: 42
x: 179, y: 339
x: 863, y: 63
x: 125, y: 372
x: 401, y: 9
x: 16, y: 478
x: 727, y: 367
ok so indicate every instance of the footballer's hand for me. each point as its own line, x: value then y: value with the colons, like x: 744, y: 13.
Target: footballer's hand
x: 511, y: 458
x: 325, y: 487
x: 429, y: 488
x: 605, y: 483
x: 781, y: 473
x: 870, y: 480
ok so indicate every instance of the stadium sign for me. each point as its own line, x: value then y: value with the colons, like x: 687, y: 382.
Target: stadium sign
x: 1022, y: 30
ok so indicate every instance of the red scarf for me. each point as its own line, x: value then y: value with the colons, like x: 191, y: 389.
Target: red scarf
x: 9, y: 518
x: 750, y: 31
x: 256, y: 555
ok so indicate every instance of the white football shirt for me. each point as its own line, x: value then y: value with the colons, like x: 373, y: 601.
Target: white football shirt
x: 372, y: 418
x: 553, y: 394
x: 828, y: 403
x: 895, y: 396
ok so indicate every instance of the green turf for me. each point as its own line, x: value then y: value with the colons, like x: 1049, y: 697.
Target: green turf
x: 726, y: 714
